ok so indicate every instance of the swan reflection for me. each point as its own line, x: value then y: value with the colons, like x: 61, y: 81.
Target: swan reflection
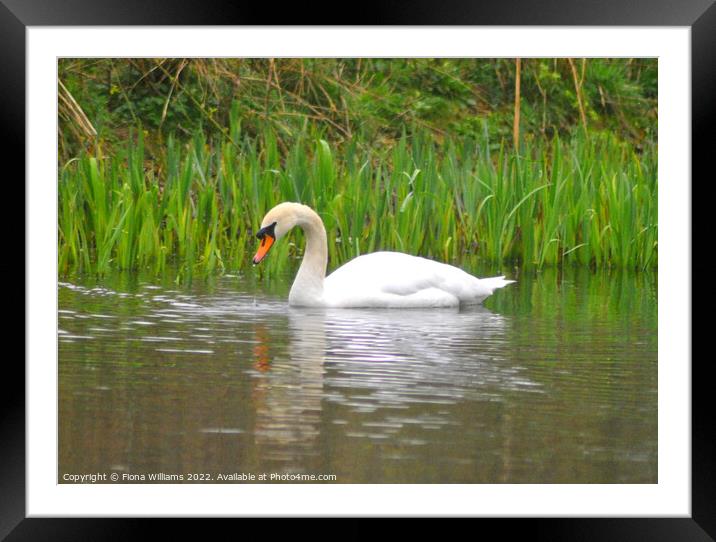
x: 385, y: 361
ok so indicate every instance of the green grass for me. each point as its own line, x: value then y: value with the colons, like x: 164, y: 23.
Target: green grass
x: 589, y: 201
x: 374, y: 99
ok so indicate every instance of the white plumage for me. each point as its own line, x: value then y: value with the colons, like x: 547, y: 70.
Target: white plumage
x: 393, y: 279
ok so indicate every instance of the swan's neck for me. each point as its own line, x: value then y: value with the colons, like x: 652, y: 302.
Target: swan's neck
x: 307, y: 288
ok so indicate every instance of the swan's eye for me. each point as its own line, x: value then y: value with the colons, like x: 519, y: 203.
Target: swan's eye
x: 268, y: 230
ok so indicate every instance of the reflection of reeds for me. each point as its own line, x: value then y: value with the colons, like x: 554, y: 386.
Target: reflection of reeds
x: 588, y: 201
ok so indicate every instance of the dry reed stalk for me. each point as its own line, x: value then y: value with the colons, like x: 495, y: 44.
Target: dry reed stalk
x: 73, y: 110
x: 578, y: 90
x: 516, y: 123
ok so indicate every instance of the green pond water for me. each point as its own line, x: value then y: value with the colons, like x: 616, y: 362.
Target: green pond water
x: 554, y: 380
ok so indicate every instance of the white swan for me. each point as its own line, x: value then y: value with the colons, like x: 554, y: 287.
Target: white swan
x: 380, y: 279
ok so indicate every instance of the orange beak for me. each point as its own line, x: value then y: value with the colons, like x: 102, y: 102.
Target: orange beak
x: 266, y: 244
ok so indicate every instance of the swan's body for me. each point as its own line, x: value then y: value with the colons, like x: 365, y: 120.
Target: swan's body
x: 380, y: 279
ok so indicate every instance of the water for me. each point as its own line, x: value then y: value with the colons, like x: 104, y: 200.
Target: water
x: 553, y: 381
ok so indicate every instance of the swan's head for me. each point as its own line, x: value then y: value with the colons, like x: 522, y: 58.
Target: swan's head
x: 277, y: 223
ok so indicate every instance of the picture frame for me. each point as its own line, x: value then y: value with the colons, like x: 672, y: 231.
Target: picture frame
x: 700, y: 16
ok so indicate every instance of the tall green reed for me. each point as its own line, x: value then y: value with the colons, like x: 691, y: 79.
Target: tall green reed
x: 589, y: 201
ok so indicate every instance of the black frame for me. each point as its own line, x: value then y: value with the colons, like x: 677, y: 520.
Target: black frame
x: 699, y: 15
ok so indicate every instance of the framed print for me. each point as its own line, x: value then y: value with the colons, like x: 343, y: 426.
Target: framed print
x: 172, y: 372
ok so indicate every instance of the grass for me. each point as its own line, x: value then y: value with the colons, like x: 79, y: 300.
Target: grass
x: 374, y: 99
x: 589, y: 201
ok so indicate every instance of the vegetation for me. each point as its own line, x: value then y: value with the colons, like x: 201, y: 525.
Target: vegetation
x: 174, y: 162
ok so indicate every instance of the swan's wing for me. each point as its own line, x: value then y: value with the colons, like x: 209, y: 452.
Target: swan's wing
x: 401, y: 279
x: 389, y: 272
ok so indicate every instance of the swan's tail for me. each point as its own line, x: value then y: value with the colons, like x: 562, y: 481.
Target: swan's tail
x: 493, y: 283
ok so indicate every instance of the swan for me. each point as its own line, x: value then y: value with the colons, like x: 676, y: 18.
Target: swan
x: 379, y: 279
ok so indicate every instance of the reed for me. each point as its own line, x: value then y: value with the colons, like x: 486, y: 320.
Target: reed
x: 589, y: 201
